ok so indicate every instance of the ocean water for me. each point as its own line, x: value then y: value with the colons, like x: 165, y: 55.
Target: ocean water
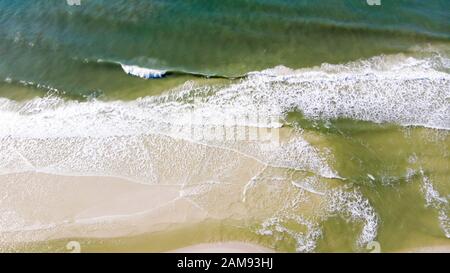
x: 351, y: 103
x: 74, y: 48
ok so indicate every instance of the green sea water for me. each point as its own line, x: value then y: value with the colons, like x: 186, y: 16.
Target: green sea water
x: 368, y: 87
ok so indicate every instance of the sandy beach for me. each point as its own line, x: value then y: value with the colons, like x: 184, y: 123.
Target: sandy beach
x: 50, y: 207
x: 232, y: 126
x: 56, y: 207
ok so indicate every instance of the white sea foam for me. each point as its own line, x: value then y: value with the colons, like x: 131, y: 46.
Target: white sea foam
x: 348, y: 204
x: 305, y: 240
x: 303, y: 208
x: 143, y: 72
x: 395, y: 89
